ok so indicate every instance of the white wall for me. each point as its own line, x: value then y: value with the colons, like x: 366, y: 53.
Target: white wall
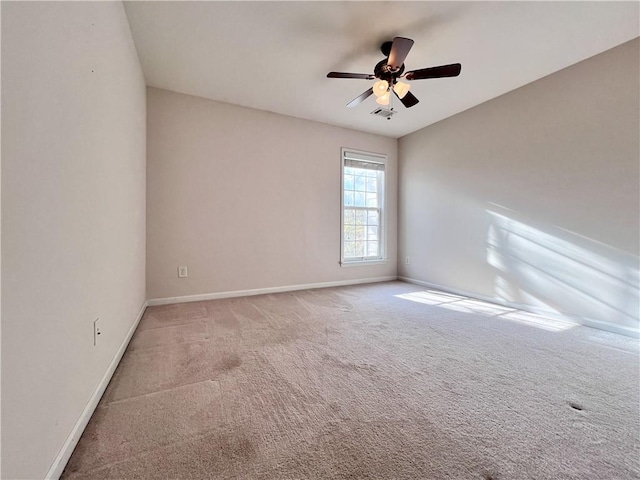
x: 532, y: 198
x: 73, y: 215
x: 248, y: 199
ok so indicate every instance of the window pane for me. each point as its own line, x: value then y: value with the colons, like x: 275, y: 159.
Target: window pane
x: 372, y: 249
x: 372, y: 217
x: 348, y: 182
x: 361, y: 217
x: 349, y: 170
x: 359, y: 249
x: 349, y: 217
x: 349, y: 232
x: 360, y: 183
x: 349, y: 249
x: 372, y: 233
x: 372, y: 199
x: 361, y: 233
x: 348, y: 199
x: 372, y: 184
x: 359, y: 200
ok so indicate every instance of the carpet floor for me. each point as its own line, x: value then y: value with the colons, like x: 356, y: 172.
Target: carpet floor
x: 378, y: 381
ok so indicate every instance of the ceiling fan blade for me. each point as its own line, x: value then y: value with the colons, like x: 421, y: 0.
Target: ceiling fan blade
x: 358, y: 100
x: 363, y: 76
x: 399, y: 51
x: 409, y: 100
x: 452, y: 70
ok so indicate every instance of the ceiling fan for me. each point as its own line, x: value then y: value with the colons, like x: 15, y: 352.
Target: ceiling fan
x: 391, y: 69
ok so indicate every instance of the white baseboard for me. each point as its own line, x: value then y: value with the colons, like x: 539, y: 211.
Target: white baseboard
x: 263, y: 291
x: 72, y: 440
x: 587, y: 322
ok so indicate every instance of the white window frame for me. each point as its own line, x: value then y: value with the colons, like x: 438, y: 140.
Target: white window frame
x: 382, y: 245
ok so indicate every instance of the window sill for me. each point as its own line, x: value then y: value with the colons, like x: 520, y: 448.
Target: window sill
x: 356, y: 263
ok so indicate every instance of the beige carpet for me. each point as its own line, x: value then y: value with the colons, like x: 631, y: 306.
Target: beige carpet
x: 384, y: 381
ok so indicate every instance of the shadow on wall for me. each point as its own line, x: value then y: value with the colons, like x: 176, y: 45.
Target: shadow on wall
x: 565, y: 275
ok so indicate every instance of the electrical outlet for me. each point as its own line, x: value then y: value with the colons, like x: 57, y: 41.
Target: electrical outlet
x: 182, y: 272
x: 96, y: 331
x: 406, y: 261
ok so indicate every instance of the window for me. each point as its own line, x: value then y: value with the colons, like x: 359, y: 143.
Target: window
x: 363, y: 212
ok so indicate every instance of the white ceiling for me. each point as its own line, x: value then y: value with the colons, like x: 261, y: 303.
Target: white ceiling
x: 274, y: 56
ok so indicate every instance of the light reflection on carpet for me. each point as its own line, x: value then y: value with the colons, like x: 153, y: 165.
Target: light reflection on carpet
x: 464, y: 304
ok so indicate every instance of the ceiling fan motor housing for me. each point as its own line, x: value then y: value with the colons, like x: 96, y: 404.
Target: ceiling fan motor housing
x: 384, y: 72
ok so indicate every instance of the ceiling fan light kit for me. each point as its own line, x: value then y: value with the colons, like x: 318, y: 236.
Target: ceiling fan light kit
x: 401, y: 89
x: 390, y: 70
x: 380, y: 88
x: 384, y: 99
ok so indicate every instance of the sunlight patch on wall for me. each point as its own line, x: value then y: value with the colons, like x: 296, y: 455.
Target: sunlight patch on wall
x: 597, y: 283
